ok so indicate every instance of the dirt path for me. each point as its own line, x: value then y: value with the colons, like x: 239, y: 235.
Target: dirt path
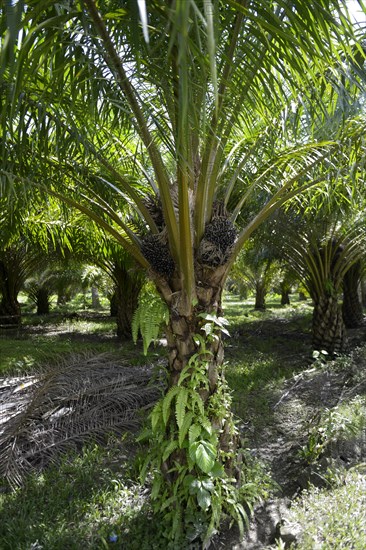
x: 295, y: 409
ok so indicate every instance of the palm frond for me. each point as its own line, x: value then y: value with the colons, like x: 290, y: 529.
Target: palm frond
x: 81, y: 398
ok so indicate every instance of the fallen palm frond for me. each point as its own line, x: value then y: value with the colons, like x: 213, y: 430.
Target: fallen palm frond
x: 85, y: 397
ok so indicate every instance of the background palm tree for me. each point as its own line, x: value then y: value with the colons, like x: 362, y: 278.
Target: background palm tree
x: 352, y: 308
x: 160, y: 133
x: 256, y: 267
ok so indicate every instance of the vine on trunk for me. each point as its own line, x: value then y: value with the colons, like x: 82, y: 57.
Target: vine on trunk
x: 193, y: 484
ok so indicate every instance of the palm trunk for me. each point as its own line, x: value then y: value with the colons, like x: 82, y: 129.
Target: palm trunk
x: 195, y: 431
x: 328, y: 326
x: 260, y: 295
x: 352, y: 307
x: 95, y: 298
x: 10, y: 312
x: 285, y: 298
x: 125, y: 299
x: 43, y: 301
x: 285, y: 293
x: 113, y: 307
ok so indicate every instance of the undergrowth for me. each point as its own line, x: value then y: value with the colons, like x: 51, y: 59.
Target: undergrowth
x: 333, y: 518
x: 84, y: 503
x: 95, y: 499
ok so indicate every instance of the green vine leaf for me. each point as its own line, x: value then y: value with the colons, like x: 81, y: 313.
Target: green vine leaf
x: 204, y: 499
x: 180, y: 407
x: 208, y: 485
x: 217, y: 470
x: 204, y: 455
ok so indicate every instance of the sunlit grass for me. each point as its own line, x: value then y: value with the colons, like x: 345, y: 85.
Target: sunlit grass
x: 262, y: 354
x: 84, y: 503
x: 42, y: 340
x: 95, y: 500
x: 333, y: 518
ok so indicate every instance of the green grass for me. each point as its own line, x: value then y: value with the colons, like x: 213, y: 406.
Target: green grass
x: 80, y: 504
x: 97, y: 495
x: 263, y: 354
x: 335, y: 518
x: 42, y: 340
x: 20, y: 357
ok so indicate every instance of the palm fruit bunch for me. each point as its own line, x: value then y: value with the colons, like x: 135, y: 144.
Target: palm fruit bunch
x: 156, y: 250
x: 217, y: 242
x: 154, y: 246
x: 153, y: 205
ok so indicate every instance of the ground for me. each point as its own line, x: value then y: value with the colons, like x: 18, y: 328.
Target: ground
x: 303, y: 405
x: 302, y: 419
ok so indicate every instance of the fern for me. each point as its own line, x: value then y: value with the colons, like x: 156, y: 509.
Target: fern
x: 180, y: 409
x: 169, y: 449
x: 167, y: 401
x: 149, y: 316
x: 187, y: 422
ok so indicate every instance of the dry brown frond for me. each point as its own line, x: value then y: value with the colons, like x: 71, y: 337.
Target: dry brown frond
x: 85, y: 397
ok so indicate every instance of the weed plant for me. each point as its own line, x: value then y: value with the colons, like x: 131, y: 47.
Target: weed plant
x: 333, y: 518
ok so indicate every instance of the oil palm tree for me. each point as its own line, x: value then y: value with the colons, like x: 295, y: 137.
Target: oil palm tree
x: 352, y: 308
x: 256, y: 265
x: 175, y: 116
x: 127, y: 280
x: 325, y: 246
x: 322, y: 263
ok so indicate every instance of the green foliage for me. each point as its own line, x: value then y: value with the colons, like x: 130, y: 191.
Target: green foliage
x: 191, y: 486
x: 149, y: 316
x: 341, y: 422
x: 332, y: 518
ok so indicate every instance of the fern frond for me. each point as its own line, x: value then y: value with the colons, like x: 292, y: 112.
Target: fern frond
x: 150, y: 314
x: 180, y: 406
x: 169, y: 449
x: 167, y: 402
x: 183, y: 430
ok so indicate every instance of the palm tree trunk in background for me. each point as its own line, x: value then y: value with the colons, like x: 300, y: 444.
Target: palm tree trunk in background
x: 328, y: 326
x: 10, y: 312
x: 285, y: 295
x: 113, y: 308
x: 352, y: 307
x: 285, y: 288
x: 125, y: 300
x: 43, y: 301
x: 260, y: 295
x: 95, y: 298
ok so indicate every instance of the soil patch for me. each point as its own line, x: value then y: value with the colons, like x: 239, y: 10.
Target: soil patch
x: 296, y: 409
